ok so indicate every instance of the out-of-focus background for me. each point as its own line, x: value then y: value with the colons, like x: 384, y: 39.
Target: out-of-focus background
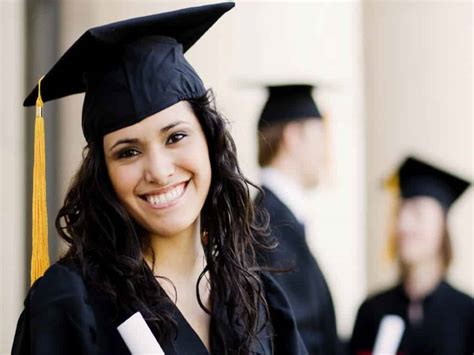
x: 396, y: 77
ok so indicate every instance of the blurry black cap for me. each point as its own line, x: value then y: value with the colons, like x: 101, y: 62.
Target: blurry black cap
x: 289, y: 103
x: 417, y: 178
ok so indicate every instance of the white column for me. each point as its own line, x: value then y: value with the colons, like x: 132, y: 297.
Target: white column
x: 12, y: 179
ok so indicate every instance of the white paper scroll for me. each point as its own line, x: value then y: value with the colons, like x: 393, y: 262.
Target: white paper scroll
x: 138, y: 336
x: 389, y: 335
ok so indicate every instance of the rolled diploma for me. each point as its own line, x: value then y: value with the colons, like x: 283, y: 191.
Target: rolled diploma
x: 138, y: 336
x: 389, y: 335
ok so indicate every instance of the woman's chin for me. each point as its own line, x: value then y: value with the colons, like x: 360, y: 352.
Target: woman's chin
x: 408, y: 259
x: 171, y: 229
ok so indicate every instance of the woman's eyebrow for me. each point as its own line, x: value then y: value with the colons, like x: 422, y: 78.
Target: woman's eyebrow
x: 171, y: 125
x: 124, y: 141
x: 135, y: 140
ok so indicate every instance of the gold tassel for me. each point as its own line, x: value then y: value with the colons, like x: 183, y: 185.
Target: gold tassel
x: 393, y: 186
x: 39, y: 253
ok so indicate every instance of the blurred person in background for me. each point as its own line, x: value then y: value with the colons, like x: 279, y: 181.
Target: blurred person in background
x: 424, y: 314
x: 291, y: 153
x: 158, y: 219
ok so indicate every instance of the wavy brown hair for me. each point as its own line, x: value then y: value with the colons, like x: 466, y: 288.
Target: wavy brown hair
x: 108, y: 245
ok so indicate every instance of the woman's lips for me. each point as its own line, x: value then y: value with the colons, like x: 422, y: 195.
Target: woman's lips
x: 166, y: 199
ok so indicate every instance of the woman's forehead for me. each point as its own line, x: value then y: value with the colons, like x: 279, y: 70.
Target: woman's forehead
x: 421, y: 201
x: 180, y: 113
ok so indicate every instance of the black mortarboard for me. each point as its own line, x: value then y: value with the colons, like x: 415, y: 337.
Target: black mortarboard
x: 417, y: 178
x: 289, y: 103
x: 130, y: 69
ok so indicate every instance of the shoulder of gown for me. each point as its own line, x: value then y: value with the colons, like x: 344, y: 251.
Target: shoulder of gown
x: 457, y: 297
x: 456, y: 309
x: 276, y: 208
x: 57, y: 318
x: 460, y: 307
x: 286, y: 338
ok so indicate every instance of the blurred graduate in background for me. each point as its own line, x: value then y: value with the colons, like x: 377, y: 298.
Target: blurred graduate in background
x: 291, y: 152
x: 423, y: 314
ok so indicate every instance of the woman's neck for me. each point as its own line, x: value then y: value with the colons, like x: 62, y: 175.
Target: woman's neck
x: 422, y: 278
x: 178, y: 262
x: 179, y: 258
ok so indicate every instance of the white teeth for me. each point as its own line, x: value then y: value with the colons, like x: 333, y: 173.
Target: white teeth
x: 169, y: 195
x: 166, y: 197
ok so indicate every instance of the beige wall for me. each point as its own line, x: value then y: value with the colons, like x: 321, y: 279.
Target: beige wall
x: 12, y: 151
x: 419, y: 91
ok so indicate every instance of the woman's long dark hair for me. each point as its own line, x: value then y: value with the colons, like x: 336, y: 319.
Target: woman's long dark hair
x: 108, y: 245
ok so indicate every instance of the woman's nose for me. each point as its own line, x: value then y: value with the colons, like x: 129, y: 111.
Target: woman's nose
x: 160, y: 166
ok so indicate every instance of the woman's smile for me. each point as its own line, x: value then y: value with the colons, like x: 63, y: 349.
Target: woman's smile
x: 166, y: 197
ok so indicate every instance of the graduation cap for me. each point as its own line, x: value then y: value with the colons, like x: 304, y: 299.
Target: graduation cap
x: 289, y: 103
x: 128, y: 70
x: 418, y: 178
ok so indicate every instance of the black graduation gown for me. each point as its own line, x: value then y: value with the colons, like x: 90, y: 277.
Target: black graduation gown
x: 447, y: 326
x: 63, y: 316
x: 304, y: 285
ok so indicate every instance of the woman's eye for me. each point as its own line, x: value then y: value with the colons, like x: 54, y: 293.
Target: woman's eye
x: 128, y: 153
x: 175, y: 137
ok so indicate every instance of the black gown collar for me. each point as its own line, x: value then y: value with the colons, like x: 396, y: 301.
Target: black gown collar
x: 400, y: 291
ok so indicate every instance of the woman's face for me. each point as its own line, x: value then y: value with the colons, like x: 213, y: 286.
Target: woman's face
x: 160, y: 169
x: 420, y: 228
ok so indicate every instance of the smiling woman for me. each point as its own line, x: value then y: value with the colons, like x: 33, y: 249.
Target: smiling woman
x: 158, y: 218
x: 160, y: 170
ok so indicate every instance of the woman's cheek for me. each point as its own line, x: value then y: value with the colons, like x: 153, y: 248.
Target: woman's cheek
x: 194, y: 158
x: 124, y: 178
